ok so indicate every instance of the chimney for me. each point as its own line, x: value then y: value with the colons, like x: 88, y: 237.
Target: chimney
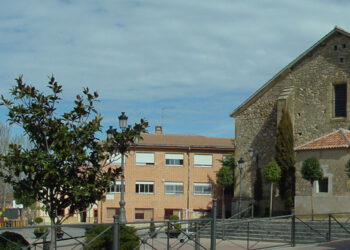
x: 158, y: 130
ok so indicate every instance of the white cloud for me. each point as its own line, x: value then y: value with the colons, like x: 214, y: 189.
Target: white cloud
x: 148, y: 54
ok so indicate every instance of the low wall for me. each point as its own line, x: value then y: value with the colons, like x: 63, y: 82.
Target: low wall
x: 322, y: 204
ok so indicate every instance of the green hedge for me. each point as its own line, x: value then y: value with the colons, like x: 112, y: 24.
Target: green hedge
x: 128, y: 238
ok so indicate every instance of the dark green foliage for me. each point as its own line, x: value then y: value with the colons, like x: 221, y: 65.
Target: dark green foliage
x: 38, y: 220
x: 128, y: 237
x: 311, y: 170
x: 272, y: 172
x: 152, y: 227
x: 229, y: 161
x: 67, y: 164
x: 173, y: 218
x: 285, y: 158
x: 347, y: 168
x: 14, y: 241
x: 224, y: 177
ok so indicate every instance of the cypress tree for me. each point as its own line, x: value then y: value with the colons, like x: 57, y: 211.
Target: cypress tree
x: 285, y: 158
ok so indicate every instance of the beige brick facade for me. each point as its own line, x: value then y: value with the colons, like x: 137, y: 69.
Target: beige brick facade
x: 187, y: 204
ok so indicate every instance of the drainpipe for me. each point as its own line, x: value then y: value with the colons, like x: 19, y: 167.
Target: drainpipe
x: 188, y: 182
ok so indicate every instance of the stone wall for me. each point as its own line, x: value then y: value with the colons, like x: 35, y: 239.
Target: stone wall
x: 312, y: 80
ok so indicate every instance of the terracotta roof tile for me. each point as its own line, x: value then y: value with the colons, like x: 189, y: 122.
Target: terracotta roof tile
x: 186, y: 140
x: 337, y: 139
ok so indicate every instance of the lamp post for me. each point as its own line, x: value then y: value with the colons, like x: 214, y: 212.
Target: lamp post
x: 240, y: 166
x: 123, y: 119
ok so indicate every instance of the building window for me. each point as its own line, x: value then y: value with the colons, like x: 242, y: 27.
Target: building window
x: 144, y: 158
x: 111, y: 211
x: 115, y: 187
x: 144, y: 187
x: 83, y: 216
x: 116, y: 159
x: 203, y: 160
x: 174, y: 159
x: 174, y: 188
x: 202, y: 188
x: 143, y: 214
x: 169, y: 212
x: 322, y: 186
x: 340, y: 100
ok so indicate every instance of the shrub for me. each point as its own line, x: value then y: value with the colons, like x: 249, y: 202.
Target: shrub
x: 174, y: 218
x: 41, y: 230
x: 11, y: 239
x: 38, y: 220
x: 128, y: 237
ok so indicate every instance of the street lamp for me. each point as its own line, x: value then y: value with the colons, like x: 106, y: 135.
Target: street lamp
x: 240, y: 166
x: 123, y: 119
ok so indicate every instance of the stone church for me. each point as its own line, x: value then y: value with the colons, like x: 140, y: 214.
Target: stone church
x: 313, y: 88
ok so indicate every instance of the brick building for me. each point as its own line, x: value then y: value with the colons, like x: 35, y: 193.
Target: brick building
x: 332, y: 193
x: 313, y: 88
x: 168, y: 174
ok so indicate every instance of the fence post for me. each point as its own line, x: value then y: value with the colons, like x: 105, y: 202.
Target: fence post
x: 213, y: 227
x: 248, y: 236
x: 116, y: 232
x: 252, y: 210
x: 223, y: 229
x: 168, y: 238
x: 329, y: 227
x: 293, y: 229
x: 196, y: 236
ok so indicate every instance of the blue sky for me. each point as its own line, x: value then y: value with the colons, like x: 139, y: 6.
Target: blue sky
x: 184, y: 64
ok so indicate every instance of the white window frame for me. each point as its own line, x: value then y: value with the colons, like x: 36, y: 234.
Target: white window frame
x: 149, y: 161
x: 146, y: 183
x: 174, y: 184
x: 115, y: 184
x: 202, y: 184
x: 199, y: 160
x: 317, y: 186
x: 174, y: 157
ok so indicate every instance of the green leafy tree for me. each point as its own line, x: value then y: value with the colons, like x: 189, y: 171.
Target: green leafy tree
x: 285, y: 159
x: 67, y: 164
x: 272, y: 174
x: 224, y: 178
x: 230, y: 161
x: 311, y: 171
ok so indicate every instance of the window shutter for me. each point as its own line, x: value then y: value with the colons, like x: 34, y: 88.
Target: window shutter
x: 203, y: 160
x: 340, y: 100
x: 144, y: 158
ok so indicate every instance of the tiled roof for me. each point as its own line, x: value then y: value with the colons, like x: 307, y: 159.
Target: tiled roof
x: 337, y: 139
x: 185, y: 140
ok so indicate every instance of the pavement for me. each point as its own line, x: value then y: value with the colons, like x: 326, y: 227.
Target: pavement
x: 161, y: 243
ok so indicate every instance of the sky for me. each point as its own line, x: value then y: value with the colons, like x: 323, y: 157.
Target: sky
x: 182, y: 64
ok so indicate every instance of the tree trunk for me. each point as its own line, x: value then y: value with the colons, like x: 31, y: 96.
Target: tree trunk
x: 223, y: 210
x: 312, y: 201
x: 271, y: 194
x: 53, y: 234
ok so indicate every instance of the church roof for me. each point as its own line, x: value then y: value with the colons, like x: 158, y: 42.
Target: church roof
x: 284, y: 71
x: 337, y: 139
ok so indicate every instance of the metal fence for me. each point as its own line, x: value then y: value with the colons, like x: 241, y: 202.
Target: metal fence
x: 205, y: 233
